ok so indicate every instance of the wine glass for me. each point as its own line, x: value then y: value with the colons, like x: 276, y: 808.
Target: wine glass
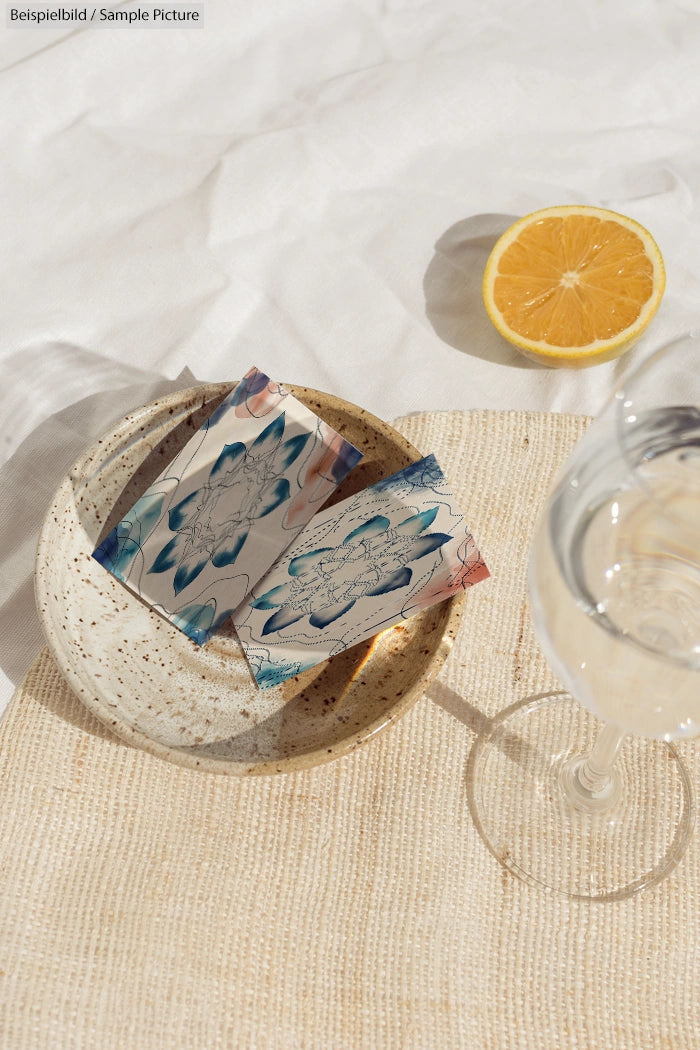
x: 585, y: 792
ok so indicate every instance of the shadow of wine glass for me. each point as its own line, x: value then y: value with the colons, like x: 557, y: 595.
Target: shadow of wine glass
x: 490, y: 731
x: 452, y: 288
x: 513, y: 746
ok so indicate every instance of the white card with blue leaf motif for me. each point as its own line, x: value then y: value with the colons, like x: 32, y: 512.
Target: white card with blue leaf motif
x: 229, y: 503
x: 356, y: 569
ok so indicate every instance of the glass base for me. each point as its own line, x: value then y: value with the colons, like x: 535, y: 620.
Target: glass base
x: 517, y: 784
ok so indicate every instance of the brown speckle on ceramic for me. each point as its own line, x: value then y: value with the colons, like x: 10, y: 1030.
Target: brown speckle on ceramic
x: 200, y: 707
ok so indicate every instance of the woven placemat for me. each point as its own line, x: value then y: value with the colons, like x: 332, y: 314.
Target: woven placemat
x: 352, y: 906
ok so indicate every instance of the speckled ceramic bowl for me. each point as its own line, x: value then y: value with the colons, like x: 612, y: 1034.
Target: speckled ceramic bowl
x: 200, y: 707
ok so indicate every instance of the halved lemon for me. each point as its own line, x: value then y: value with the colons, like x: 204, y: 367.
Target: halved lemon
x: 573, y: 285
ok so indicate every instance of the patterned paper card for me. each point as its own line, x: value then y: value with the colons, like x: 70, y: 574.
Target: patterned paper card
x: 230, y: 502
x: 357, y: 568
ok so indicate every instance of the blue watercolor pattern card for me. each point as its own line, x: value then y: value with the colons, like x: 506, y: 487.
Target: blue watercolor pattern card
x: 231, y: 501
x: 356, y: 569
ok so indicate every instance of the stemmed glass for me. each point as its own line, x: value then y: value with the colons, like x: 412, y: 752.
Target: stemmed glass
x: 585, y: 793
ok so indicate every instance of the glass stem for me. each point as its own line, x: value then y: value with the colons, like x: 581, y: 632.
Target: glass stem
x: 596, y: 770
x: 589, y: 780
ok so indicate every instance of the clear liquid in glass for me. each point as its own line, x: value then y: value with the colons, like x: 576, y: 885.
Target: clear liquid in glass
x: 615, y: 576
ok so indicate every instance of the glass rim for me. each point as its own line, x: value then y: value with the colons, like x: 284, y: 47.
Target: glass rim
x: 625, y: 418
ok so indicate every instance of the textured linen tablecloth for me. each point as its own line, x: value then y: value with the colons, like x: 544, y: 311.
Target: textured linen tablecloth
x: 350, y: 906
